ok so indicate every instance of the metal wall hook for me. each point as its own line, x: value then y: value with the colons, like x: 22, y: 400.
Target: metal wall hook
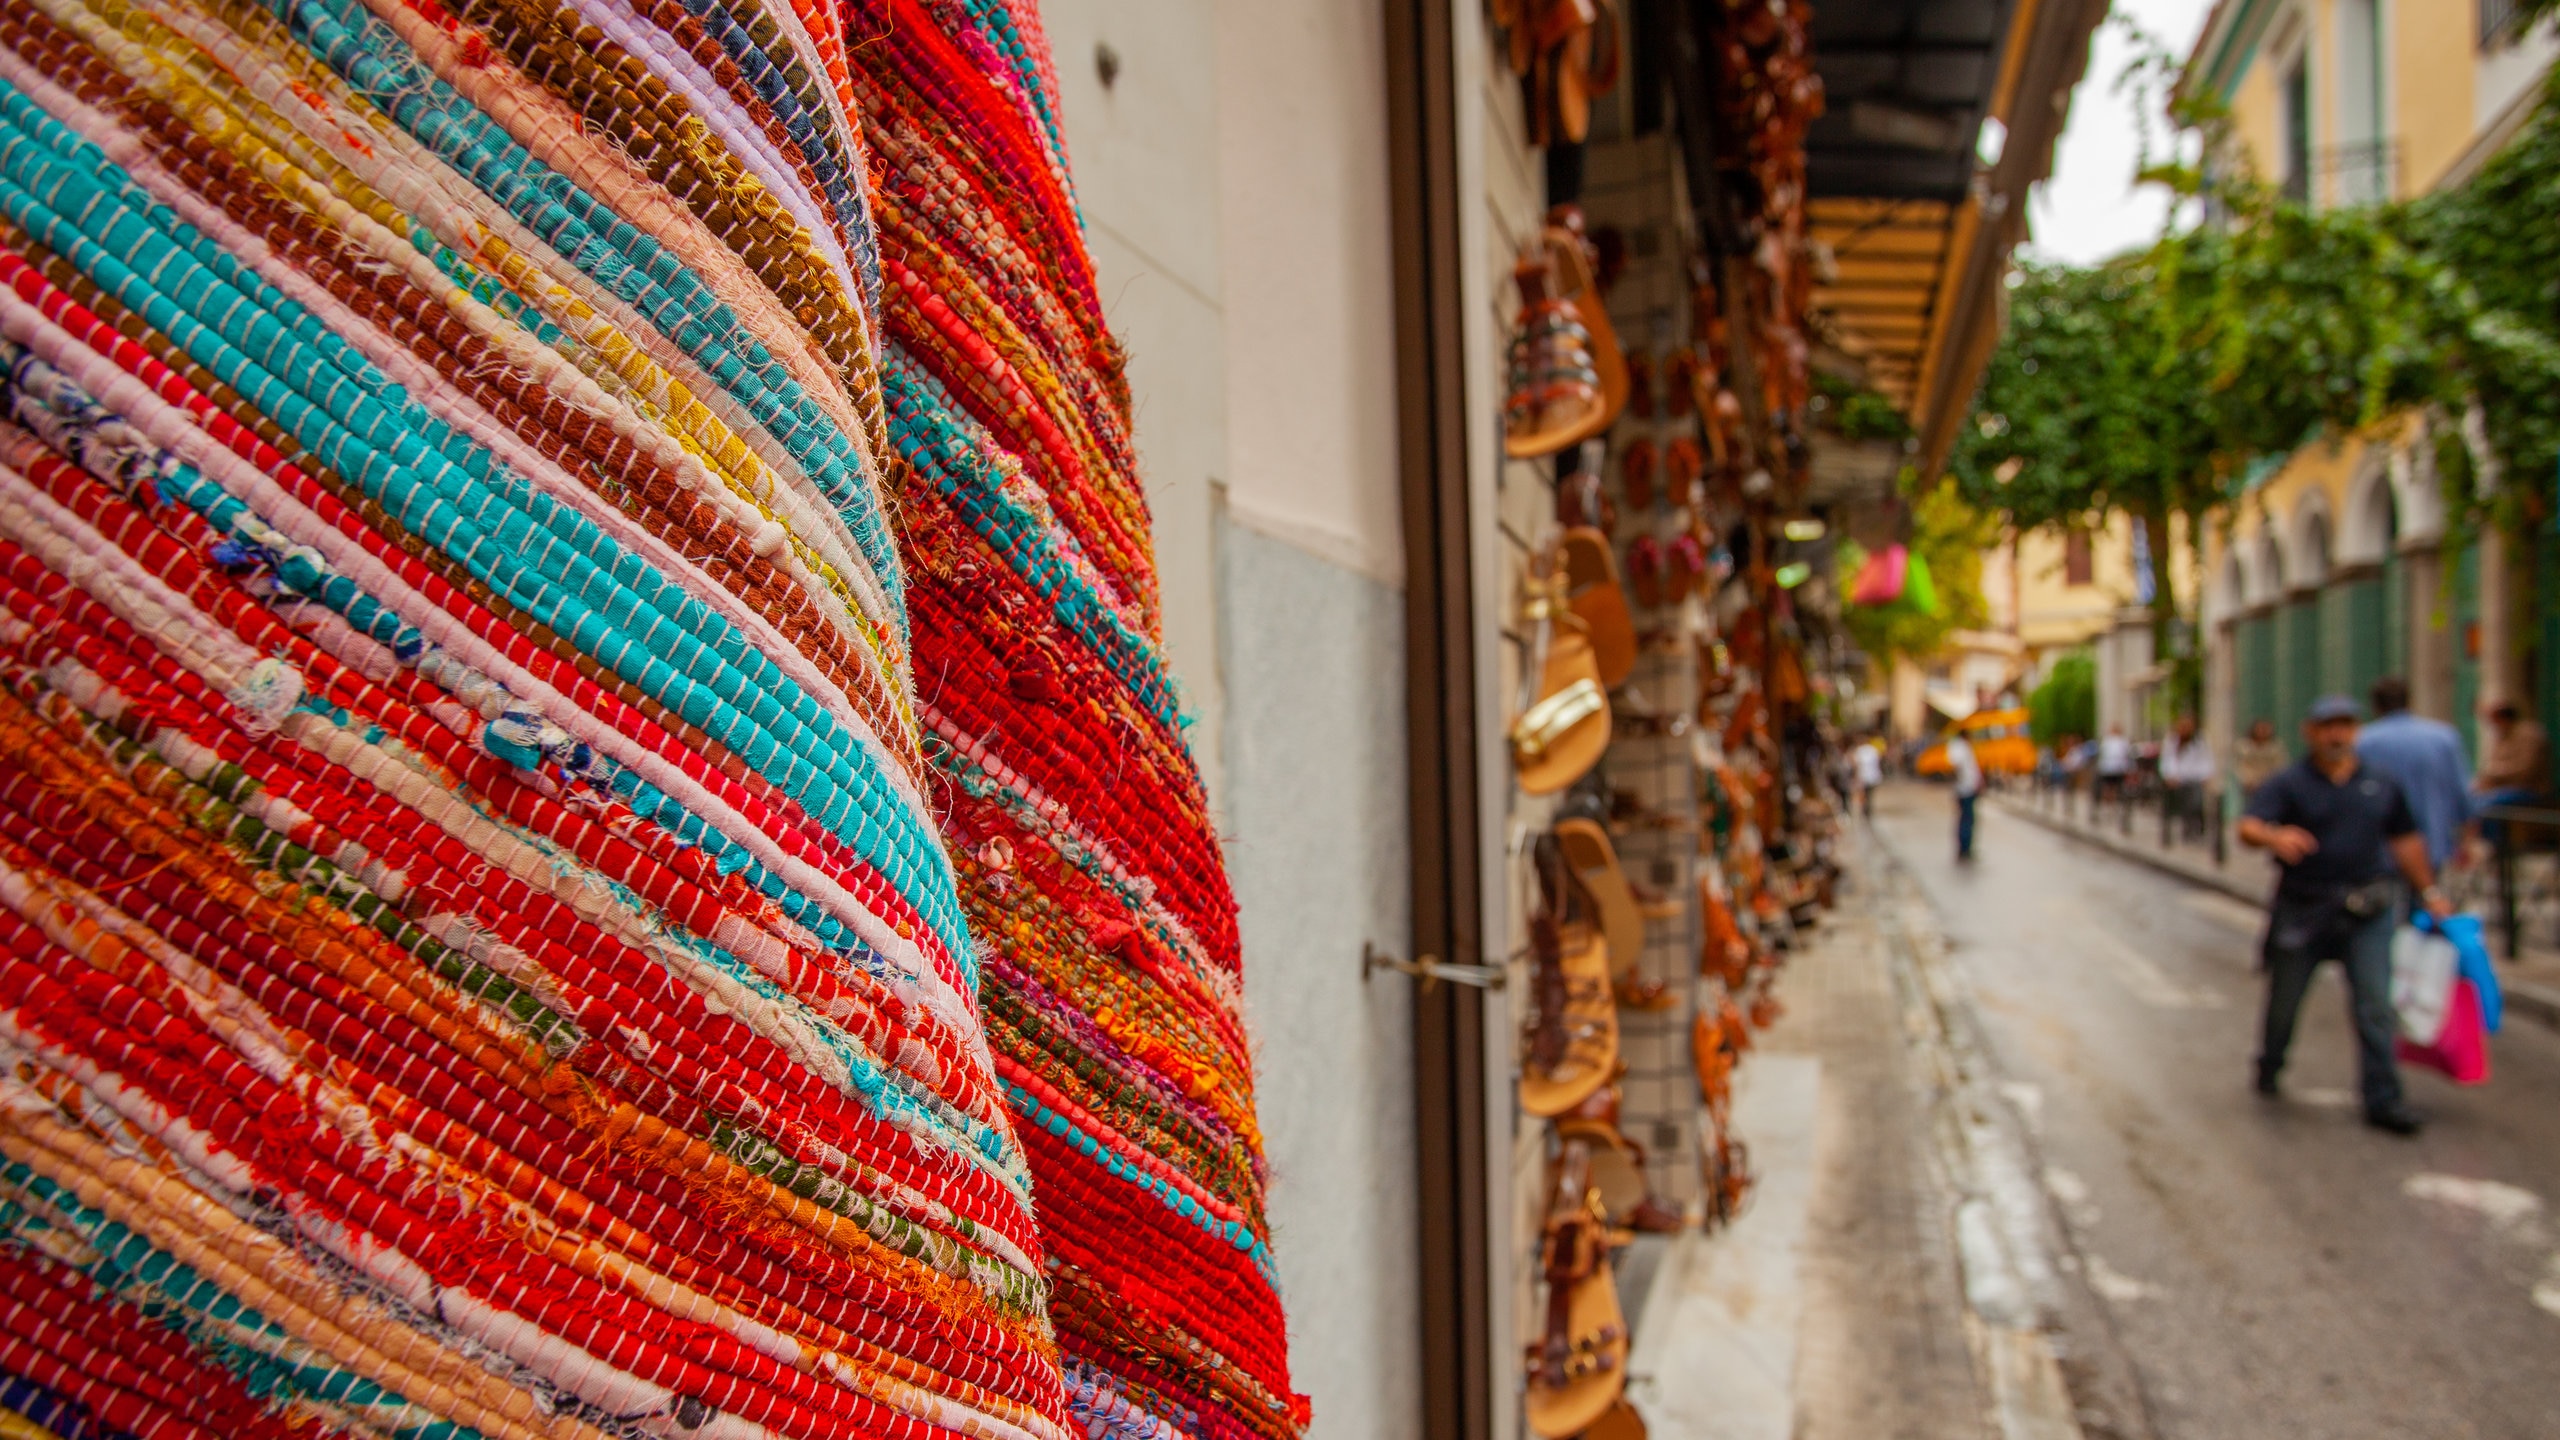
x: 1429, y: 970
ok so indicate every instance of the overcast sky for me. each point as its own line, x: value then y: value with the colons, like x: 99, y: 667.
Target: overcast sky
x: 2090, y: 209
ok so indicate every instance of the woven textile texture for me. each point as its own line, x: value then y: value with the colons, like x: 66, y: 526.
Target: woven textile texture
x: 477, y: 953
x: 1088, y: 865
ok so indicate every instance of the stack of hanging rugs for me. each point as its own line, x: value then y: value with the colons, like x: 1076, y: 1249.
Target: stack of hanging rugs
x: 479, y: 953
x: 1088, y: 866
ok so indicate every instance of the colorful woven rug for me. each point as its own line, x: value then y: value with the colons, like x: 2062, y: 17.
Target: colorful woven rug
x: 476, y: 953
x: 1088, y: 866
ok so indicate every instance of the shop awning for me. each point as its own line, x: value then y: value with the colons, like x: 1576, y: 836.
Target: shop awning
x: 1917, y: 201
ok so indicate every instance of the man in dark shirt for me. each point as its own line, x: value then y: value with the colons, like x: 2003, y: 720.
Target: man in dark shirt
x: 2339, y: 829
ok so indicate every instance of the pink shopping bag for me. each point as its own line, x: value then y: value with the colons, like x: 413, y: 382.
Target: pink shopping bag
x: 1880, y: 579
x: 2461, y: 1049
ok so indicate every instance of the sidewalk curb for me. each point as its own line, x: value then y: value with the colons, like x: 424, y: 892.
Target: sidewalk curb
x: 2524, y: 997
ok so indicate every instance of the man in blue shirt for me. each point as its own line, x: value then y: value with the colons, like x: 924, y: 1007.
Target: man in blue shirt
x: 2425, y: 756
x: 2343, y: 833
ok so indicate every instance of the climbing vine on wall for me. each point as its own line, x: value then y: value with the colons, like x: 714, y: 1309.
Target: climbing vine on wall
x: 2152, y: 384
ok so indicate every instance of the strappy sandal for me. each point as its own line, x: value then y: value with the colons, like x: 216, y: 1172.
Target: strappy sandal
x: 1599, y: 602
x: 1555, y: 398
x: 1564, y: 728
x: 1594, y: 862
x: 1573, y: 1046
x: 1576, y: 267
x: 1724, y: 1171
x: 1583, y: 501
x: 1619, y: 1164
x: 1578, y: 1367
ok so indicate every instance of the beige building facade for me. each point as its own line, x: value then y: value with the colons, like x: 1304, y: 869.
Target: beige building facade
x: 2331, y: 571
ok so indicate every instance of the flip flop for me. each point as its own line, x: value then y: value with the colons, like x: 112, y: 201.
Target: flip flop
x: 1599, y: 602
x: 1681, y: 467
x: 1579, y: 990
x: 1594, y: 863
x: 1561, y: 734
x: 1578, y: 280
x: 1677, y: 398
x: 1635, y: 473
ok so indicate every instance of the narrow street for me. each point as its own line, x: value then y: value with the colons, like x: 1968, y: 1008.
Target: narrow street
x: 2255, y: 1269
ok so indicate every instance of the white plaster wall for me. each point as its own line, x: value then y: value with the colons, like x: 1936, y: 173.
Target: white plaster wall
x: 1310, y: 294
x: 2507, y: 71
x: 1312, y: 634
x: 1233, y: 180
x: 1316, y: 758
x: 1144, y: 152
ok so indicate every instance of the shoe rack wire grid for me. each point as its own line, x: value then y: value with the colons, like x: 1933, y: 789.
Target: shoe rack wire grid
x: 1658, y: 848
x: 1654, y: 764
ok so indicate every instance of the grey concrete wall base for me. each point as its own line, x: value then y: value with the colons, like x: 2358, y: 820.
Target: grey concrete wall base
x: 2528, y: 998
x: 1314, y: 749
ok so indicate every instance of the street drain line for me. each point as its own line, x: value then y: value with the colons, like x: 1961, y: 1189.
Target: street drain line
x: 2010, y: 1246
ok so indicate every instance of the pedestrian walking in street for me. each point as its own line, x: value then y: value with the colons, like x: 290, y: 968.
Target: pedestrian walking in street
x: 2426, y: 757
x: 1968, y: 773
x: 2115, y: 765
x: 1867, y: 763
x: 2258, y: 756
x: 2338, y: 828
x: 2186, y: 768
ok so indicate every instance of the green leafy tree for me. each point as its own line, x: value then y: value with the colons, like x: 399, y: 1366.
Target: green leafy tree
x: 2150, y: 385
x: 2066, y: 702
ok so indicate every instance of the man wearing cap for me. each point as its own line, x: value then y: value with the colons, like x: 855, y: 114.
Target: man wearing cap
x: 2339, y: 828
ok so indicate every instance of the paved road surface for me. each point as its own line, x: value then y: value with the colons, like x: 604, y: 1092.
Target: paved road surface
x: 2263, y: 1269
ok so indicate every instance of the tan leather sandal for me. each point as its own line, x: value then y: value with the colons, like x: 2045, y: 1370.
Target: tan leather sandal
x: 1573, y: 1047
x: 1577, y: 278
x: 1594, y: 863
x: 1599, y: 601
x: 1554, y: 398
x: 1578, y: 1367
x: 1618, y: 1165
x: 1561, y: 733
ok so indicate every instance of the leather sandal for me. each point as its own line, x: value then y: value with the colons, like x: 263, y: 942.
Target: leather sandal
x: 1594, y: 862
x: 1618, y: 1164
x: 1599, y: 602
x: 1561, y: 733
x: 1573, y: 1043
x: 1578, y: 1366
x: 1577, y: 273
x: 1554, y: 398
x: 1636, y: 465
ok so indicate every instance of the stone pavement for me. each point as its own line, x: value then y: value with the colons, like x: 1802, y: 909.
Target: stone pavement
x: 1866, y: 1292
x: 2531, y: 981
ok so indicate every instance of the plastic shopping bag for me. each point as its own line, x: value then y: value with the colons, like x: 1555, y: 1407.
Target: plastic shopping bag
x: 2461, y: 1049
x: 2472, y: 945
x: 2425, y: 965
x: 1918, y: 591
x: 1880, y: 579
